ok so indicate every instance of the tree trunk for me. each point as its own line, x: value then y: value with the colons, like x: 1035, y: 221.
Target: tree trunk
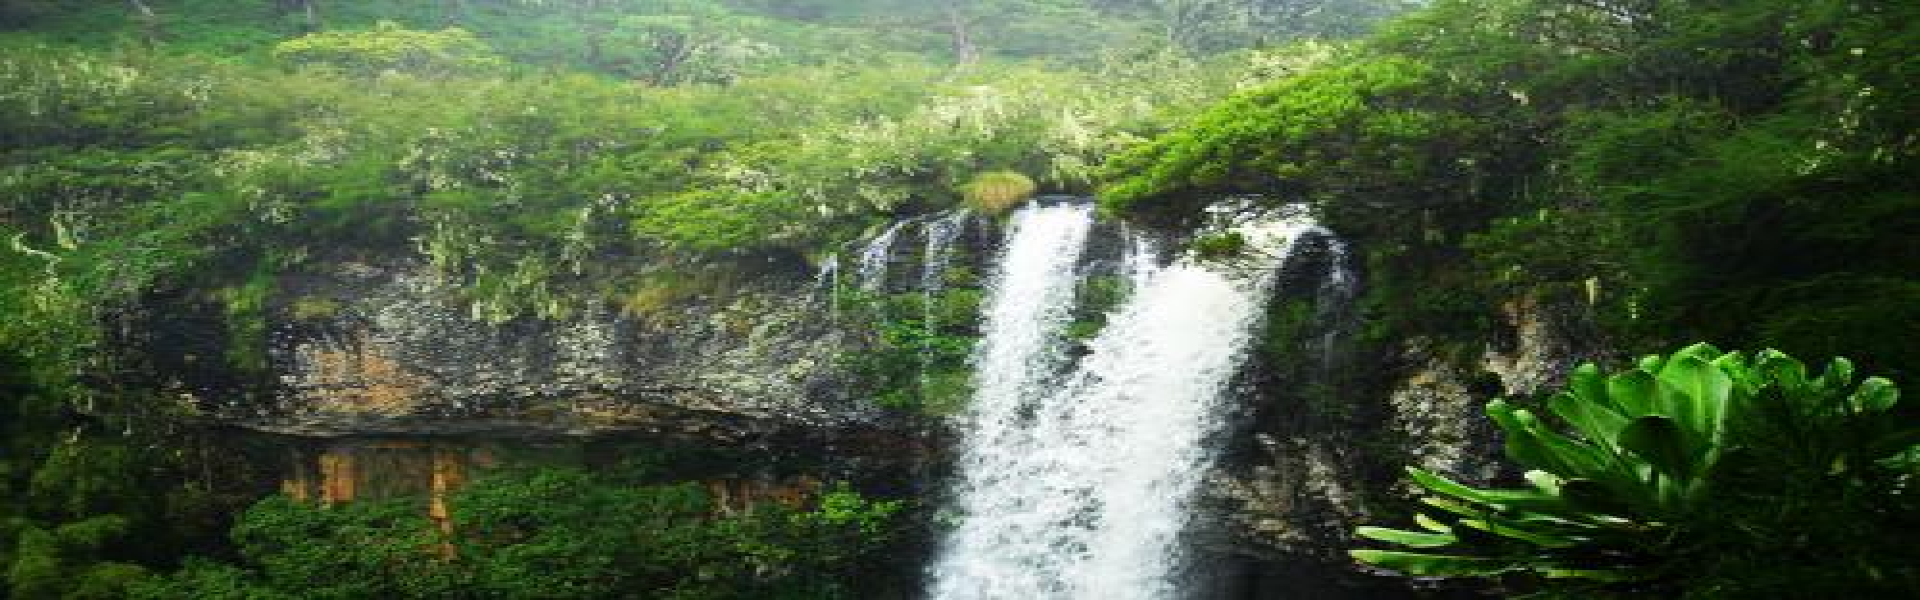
x: 456, y: 12
x: 313, y: 15
x: 964, y: 52
x: 307, y: 9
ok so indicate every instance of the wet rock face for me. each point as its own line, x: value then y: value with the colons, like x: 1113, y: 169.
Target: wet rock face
x: 396, y: 353
x: 1329, y: 424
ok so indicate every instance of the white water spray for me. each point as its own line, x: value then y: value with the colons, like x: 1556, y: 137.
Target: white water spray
x: 872, y: 271
x: 1079, y: 486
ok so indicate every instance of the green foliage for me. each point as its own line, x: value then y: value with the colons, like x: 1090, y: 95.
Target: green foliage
x: 390, y: 48
x: 511, y: 186
x: 246, y: 307
x: 917, y: 358
x: 1693, y: 170
x: 1332, y: 133
x: 362, y: 550
x: 314, y: 308
x: 553, y: 533
x: 996, y: 192
x: 1219, y: 246
x: 65, y: 561
x: 1674, y: 477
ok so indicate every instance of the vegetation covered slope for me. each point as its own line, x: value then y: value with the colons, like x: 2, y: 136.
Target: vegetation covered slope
x: 1733, y: 171
x: 1742, y: 172
x: 1726, y: 171
x: 544, y: 156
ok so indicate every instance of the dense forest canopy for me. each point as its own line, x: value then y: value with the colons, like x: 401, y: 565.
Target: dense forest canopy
x: 1742, y: 172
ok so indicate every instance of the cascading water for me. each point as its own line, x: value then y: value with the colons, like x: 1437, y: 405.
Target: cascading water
x: 826, y: 284
x: 874, y: 258
x: 940, y: 235
x: 1142, y: 258
x: 1336, y: 294
x: 1078, y: 485
x: 1018, y: 359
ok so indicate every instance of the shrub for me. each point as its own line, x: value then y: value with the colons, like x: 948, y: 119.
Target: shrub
x: 996, y: 192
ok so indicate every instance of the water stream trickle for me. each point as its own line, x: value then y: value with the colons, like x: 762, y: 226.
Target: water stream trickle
x: 872, y: 268
x: 940, y: 234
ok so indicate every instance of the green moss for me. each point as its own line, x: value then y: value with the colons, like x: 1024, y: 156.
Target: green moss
x: 246, y: 320
x: 314, y: 308
x: 911, y: 363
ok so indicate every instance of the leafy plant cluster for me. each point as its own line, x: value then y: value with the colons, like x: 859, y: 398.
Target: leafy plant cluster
x: 551, y: 533
x: 1701, y: 474
x: 918, y: 357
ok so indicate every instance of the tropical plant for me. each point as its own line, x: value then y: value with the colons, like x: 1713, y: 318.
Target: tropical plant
x: 1641, y: 476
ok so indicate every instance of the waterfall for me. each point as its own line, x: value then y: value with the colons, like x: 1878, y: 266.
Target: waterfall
x: 1030, y: 302
x: 826, y: 284
x: 940, y: 235
x: 1338, y: 289
x: 872, y: 271
x: 1079, y: 485
x: 1142, y: 258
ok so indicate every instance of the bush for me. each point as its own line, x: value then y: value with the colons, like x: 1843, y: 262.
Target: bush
x: 996, y: 192
x: 555, y: 534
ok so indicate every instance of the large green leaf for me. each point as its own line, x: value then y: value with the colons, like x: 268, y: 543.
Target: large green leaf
x: 1704, y: 393
x: 1596, y: 422
x: 1532, y: 444
x: 1515, y: 499
x: 1606, y: 502
x: 1430, y: 524
x: 1839, y: 373
x: 1590, y: 496
x: 1413, y: 539
x: 1634, y: 392
x: 1875, y: 395
x: 1612, y: 575
x: 1587, y: 383
x: 1511, y: 529
x: 1660, y: 442
x: 1434, y: 565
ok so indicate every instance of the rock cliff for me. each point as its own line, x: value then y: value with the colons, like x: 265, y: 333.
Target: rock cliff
x: 391, y: 387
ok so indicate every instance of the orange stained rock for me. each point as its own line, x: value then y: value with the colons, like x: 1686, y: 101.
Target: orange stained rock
x: 359, y: 379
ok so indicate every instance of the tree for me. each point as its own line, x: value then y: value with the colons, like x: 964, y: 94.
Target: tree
x: 390, y: 48
x: 307, y: 10
x: 1203, y: 26
x: 149, y: 22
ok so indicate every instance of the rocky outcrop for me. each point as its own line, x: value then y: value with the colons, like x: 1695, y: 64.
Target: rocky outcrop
x: 1326, y: 439
x: 396, y: 353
